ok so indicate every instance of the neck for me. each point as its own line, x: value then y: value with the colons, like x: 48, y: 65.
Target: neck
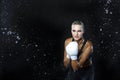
x: 80, y: 40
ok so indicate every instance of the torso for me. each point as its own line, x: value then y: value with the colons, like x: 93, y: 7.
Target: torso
x: 80, y: 43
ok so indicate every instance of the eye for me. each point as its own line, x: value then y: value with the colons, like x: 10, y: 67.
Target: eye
x: 79, y: 31
x: 73, y: 30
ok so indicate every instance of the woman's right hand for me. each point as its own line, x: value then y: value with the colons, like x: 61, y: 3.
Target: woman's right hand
x: 74, y: 64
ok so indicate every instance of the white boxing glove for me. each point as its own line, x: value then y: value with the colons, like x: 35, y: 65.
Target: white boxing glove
x: 72, y: 50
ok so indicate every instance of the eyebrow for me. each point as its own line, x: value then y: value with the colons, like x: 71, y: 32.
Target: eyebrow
x: 77, y: 30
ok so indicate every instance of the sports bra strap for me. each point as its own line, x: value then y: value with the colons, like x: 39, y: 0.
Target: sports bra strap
x: 82, y: 47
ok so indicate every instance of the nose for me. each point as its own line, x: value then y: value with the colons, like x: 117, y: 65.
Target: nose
x: 76, y: 33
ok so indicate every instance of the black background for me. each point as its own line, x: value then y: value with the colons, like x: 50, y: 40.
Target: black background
x: 33, y: 32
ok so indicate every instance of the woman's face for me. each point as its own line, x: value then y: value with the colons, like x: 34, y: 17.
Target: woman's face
x: 77, y: 32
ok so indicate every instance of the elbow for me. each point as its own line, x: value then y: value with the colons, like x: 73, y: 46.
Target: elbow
x: 66, y: 62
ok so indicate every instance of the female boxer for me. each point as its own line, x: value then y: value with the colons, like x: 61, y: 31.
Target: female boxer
x: 77, y: 54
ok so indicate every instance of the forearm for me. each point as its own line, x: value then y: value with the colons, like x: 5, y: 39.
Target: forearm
x: 81, y: 63
x: 84, y: 62
x: 87, y: 51
x: 66, y: 62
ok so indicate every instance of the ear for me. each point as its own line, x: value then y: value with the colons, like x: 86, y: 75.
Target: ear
x: 71, y: 31
x: 83, y: 33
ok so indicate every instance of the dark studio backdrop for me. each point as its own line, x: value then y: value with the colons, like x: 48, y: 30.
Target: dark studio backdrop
x: 32, y: 34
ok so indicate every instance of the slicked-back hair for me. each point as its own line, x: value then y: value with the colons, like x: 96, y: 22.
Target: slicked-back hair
x: 77, y: 22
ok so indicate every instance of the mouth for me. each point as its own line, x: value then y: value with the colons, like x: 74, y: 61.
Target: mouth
x: 76, y: 36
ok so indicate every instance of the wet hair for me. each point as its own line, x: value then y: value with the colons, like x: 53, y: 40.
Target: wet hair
x: 77, y: 22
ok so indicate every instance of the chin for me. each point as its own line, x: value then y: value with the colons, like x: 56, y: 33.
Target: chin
x: 76, y: 39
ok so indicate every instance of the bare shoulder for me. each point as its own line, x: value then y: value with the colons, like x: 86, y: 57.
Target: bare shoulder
x: 88, y: 44
x: 68, y: 40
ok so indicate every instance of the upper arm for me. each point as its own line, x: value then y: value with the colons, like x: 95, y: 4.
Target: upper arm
x: 87, y: 50
x: 65, y: 44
